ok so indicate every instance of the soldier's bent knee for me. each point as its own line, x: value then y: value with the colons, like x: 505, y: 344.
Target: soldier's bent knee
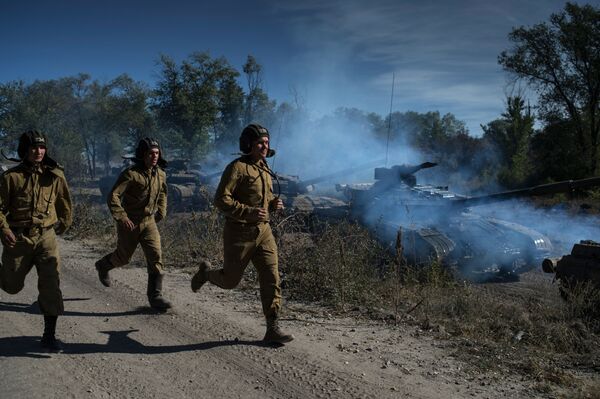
x: 229, y: 281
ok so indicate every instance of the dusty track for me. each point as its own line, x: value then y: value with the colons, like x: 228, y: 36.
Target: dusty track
x: 115, y: 346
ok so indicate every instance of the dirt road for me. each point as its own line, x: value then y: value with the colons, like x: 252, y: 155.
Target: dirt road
x: 116, y: 347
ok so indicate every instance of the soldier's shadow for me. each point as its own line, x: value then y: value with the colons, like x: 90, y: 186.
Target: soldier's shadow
x: 21, y: 347
x: 35, y: 309
x: 118, y: 342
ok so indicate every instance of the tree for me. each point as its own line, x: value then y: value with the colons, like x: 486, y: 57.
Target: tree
x: 511, y: 136
x: 124, y: 117
x: 109, y: 116
x: 193, y: 102
x: 85, y: 120
x: 258, y: 107
x: 231, y: 103
x: 561, y: 60
x: 45, y: 106
x: 555, y: 155
x: 435, y: 133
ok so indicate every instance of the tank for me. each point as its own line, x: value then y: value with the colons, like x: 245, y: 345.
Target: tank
x: 581, y: 266
x: 301, y: 196
x: 431, y: 224
x: 188, y: 188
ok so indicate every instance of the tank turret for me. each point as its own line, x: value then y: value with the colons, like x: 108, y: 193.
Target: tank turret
x: 436, y: 224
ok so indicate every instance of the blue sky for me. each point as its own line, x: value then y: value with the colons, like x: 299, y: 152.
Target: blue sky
x: 329, y: 53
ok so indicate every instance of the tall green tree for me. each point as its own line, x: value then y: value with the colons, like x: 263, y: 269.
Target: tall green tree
x: 231, y: 103
x: 124, y: 117
x: 555, y: 155
x: 511, y: 136
x: 109, y: 116
x: 561, y: 60
x: 436, y: 131
x: 258, y: 107
x: 190, y: 103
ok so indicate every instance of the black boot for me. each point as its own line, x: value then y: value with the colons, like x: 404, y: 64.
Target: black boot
x: 274, y: 335
x: 103, y: 266
x: 49, y: 342
x: 155, y: 293
x: 201, y: 276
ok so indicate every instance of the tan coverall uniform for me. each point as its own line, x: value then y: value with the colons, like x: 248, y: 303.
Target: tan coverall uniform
x: 32, y: 200
x: 245, y: 186
x: 141, y: 195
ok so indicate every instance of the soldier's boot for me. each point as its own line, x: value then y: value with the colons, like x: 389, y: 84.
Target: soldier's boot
x: 49, y: 342
x: 201, y: 275
x: 274, y: 335
x: 155, y: 284
x: 103, y: 266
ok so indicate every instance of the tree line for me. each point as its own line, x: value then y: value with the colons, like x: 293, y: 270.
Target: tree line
x: 199, y: 106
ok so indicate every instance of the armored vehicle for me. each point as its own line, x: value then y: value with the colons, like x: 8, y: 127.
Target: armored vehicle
x: 300, y: 195
x: 580, y: 267
x: 432, y: 224
x: 188, y: 188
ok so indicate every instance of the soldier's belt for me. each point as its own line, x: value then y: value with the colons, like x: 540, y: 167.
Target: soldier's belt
x: 235, y: 222
x: 30, y: 231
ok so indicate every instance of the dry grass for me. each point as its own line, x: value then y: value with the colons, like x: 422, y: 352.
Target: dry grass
x: 187, y: 238
x: 522, y: 328
x: 90, y: 219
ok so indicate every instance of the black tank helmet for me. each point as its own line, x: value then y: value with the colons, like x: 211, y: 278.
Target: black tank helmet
x: 33, y: 138
x: 251, y: 133
x: 144, y: 145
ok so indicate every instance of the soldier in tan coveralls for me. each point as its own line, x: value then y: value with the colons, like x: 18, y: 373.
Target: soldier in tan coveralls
x: 35, y: 206
x: 137, y: 201
x: 245, y: 197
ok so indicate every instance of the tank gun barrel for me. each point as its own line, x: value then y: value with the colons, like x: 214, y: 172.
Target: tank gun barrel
x: 305, y: 184
x: 544, y: 189
x: 401, y: 172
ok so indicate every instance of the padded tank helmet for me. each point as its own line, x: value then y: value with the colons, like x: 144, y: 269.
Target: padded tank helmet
x: 144, y: 145
x: 28, y: 139
x: 33, y: 138
x: 250, y: 134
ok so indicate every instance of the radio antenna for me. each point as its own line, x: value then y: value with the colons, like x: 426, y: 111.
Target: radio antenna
x: 276, y: 139
x: 387, y: 146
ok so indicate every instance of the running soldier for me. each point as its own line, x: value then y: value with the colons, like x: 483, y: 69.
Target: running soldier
x: 137, y: 201
x: 35, y: 207
x: 245, y: 197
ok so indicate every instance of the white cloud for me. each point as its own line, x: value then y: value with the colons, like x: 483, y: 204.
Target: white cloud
x: 443, y: 53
